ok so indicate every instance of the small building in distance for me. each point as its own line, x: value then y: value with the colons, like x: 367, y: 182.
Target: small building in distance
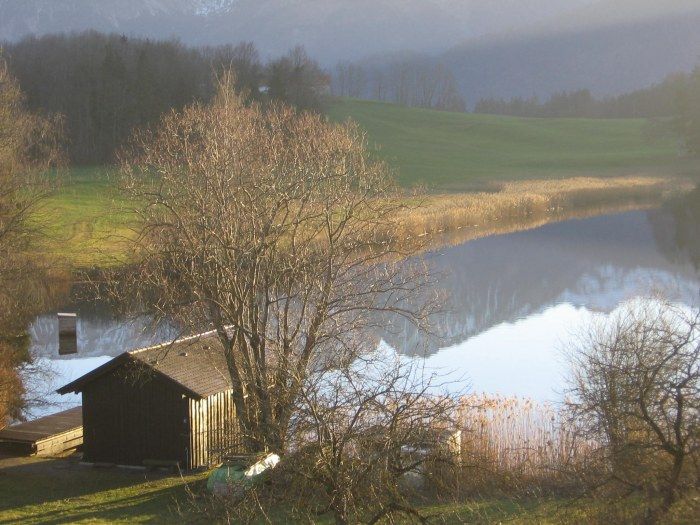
x: 163, y: 405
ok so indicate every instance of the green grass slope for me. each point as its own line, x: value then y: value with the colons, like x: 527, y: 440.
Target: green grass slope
x: 84, y: 220
x: 457, y: 150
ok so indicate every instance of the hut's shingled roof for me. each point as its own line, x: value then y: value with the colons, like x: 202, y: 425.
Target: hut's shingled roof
x: 195, y: 364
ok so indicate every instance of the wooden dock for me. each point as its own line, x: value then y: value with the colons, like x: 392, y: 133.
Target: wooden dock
x: 46, y: 436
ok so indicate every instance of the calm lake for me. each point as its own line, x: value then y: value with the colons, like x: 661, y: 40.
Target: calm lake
x: 516, y: 301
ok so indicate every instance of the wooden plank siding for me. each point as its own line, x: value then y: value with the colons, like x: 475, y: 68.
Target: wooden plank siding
x: 160, y: 405
x: 127, y: 422
x: 214, y: 430
x: 60, y: 443
x: 130, y: 422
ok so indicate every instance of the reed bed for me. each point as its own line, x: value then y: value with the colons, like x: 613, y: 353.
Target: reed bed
x: 510, y: 206
x: 514, y: 443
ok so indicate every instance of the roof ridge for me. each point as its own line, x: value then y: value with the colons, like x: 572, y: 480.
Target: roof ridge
x: 172, y: 343
x: 194, y: 375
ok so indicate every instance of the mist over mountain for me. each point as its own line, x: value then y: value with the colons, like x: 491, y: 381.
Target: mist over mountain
x: 499, y: 48
x: 599, y: 14
x: 330, y: 29
x: 349, y: 29
x: 609, y: 59
x: 153, y: 18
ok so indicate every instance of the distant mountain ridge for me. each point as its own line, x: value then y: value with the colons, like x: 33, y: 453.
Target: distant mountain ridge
x: 330, y: 29
x: 153, y: 18
x: 545, y: 46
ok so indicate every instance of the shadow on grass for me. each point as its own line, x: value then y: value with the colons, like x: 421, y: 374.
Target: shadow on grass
x: 60, y: 491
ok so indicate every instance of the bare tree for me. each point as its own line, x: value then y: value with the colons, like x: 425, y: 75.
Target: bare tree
x: 368, y: 437
x: 416, y: 82
x: 447, y: 97
x: 378, y: 82
x: 262, y: 225
x: 636, y: 391
x: 399, y: 83
x: 296, y: 79
x: 28, y: 146
x: 341, y: 79
x: 357, y: 81
x: 244, y: 60
x: 426, y: 85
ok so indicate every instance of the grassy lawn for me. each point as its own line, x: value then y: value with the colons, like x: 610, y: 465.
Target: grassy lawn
x: 456, y: 150
x: 53, y: 491
x: 56, y: 491
x: 83, y: 221
x: 60, y: 491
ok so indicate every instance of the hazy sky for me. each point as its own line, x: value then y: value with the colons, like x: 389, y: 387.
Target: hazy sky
x: 586, y: 14
x: 517, y: 17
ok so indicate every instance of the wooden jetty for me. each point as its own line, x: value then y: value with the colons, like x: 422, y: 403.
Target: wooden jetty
x: 46, y: 436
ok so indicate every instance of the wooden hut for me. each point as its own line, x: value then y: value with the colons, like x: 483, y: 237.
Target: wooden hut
x: 163, y: 405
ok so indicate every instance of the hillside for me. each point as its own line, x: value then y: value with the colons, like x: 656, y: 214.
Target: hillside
x: 609, y: 59
x: 448, y: 152
x: 458, y: 151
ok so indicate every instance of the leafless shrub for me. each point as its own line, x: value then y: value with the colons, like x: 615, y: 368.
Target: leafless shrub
x: 636, y: 391
x: 369, y: 437
x: 369, y: 441
x: 28, y: 146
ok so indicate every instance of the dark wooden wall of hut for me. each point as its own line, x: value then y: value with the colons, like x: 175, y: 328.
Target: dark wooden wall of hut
x: 128, y: 420
x: 214, y: 430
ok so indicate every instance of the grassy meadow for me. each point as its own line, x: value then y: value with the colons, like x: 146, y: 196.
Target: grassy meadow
x: 50, y: 491
x: 480, y: 170
x: 456, y: 151
x: 83, y: 221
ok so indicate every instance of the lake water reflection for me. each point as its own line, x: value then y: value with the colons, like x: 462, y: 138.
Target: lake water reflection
x: 513, y: 300
x: 516, y: 301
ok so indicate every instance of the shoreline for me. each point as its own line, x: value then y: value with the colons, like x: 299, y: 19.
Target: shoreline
x: 95, y: 238
x: 451, y: 219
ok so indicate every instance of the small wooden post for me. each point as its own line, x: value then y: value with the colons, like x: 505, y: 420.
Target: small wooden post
x: 67, y: 334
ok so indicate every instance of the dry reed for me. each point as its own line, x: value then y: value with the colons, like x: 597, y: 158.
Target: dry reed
x: 514, y: 443
x: 525, y: 204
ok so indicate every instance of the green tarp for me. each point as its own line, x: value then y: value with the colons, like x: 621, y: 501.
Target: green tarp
x: 235, y: 477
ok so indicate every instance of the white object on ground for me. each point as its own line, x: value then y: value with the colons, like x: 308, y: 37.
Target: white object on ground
x: 261, y: 466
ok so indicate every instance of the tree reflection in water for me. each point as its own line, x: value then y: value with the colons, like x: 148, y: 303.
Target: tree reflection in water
x: 591, y: 263
x: 22, y: 376
x: 677, y: 229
